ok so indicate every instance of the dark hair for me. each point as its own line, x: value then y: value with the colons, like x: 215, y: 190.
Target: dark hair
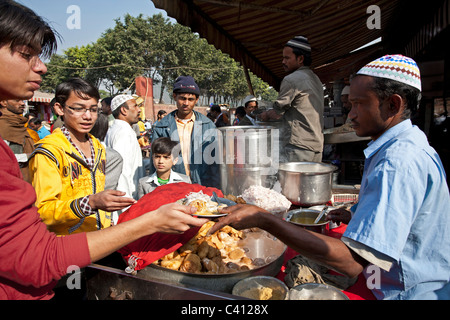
x: 100, y: 127
x: 80, y: 87
x: 246, y: 104
x: 240, y: 111
x: 165, y: 146
x: 161, y: 112
x: 216, y: 108
x: 107, y: 101
x: 307, y: 59
x: 36, y: 121
x: 384, y: 88
x: 20, y: 26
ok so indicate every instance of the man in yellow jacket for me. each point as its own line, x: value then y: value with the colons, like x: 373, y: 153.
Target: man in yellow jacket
x: 68, y: 167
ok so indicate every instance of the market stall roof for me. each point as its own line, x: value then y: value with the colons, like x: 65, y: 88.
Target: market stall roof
x: 253, y: 32
x: 42, y: 97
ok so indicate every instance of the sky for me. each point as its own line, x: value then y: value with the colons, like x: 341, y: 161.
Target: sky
x: 81, y: 22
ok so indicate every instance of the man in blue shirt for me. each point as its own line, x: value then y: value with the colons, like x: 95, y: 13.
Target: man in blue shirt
x: 398, y: 234
x: 196, y: 134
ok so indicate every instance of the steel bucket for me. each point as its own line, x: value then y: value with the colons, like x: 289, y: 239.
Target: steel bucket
x: 306, y: 184
x: 248, y: 156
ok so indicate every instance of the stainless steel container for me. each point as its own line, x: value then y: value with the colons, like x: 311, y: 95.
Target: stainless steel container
x: 305, y: 219
x: 248, y: 156
x: 306, y: 183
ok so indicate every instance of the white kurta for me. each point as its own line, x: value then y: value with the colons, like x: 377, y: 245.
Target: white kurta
x: 122, y: 138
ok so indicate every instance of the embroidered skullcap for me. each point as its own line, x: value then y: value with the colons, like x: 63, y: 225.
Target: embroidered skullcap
x: 394, y: 67
x: 119, y: 99
x: 299, y: 42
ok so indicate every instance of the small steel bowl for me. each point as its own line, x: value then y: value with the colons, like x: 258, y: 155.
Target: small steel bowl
x: 297, y: 215
x: 316, y: 291
x: 247, y: 288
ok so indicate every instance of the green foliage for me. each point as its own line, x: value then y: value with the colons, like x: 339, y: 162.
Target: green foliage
x: 156, y: 48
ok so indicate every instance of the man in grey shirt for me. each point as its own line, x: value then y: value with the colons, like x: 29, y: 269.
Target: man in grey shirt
x: 300, y: 104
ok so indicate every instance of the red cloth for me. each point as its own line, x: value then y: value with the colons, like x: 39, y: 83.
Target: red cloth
x: 31, y: 256
x: 153, y: 247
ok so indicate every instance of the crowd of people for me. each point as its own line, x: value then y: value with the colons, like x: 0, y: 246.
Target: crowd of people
x: 57, y: 211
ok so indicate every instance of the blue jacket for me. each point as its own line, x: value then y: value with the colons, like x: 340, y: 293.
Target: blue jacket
x: 204, y: 148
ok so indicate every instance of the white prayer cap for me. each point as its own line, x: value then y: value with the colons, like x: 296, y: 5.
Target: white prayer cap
x: 119, y: 99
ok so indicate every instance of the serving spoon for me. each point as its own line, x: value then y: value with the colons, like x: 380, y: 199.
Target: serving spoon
x: 325, y: 209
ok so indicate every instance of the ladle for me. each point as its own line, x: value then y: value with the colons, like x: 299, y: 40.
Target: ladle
x: 325, y: 209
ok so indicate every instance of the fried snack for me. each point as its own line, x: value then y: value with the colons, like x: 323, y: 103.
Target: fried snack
x: 246, y: 261
x: 231, y: 197
x: 210, y: 265
x: 191, y: 263
x: 203, y: 249
x: 238, y: 200
x: 173, y: 264
x: 241, y: 201
x: 263, y: 293
x: 236, y: 254
x: 218, y: 253
x: 201, y: 206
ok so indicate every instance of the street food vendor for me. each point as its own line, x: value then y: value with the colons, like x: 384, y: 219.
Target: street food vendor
x: 300, y: 104
x: 399, y: 229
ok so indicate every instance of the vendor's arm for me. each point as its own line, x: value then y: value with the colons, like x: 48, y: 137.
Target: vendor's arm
x: 326, y: 250
x: 170, y: 218
x: 284, y: 100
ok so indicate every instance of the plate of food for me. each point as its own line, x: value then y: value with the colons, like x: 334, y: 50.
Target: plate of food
x: 207, y: 206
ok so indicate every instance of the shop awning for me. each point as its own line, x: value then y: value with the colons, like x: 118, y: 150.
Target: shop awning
x: 253, y: 32
x: 42, y: 97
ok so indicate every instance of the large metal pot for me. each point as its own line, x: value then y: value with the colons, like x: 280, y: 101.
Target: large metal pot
x: 248, y: 156
x: 306, y: 183
x: 258, y: 244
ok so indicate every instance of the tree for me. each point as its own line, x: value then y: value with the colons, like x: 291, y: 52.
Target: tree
x: 72, y: 63
x: 156, y: 48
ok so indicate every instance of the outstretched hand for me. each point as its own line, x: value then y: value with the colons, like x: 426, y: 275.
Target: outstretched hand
x: 339, y: 215
x: 110, y: 200
x: 240, y: 216
x: 175, y: 218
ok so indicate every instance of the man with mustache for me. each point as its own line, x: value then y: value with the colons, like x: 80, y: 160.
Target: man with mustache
x: 398, y: 232
x: 300, y: 104
x: 122, y: 138
x: 15, y: 134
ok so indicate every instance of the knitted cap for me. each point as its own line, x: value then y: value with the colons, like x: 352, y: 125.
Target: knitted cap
x: 186, y: 84
x: 119, y: 99
x: 299, y: 42
x: 394, y: 67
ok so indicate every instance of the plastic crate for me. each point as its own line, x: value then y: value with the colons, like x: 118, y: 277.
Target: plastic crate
x: 340, y: 198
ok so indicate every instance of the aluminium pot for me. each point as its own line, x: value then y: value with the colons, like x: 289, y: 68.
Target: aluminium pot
x: 248, y: 156
x: 306, y: 184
